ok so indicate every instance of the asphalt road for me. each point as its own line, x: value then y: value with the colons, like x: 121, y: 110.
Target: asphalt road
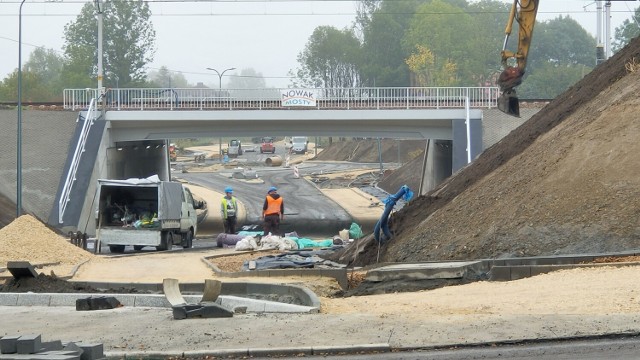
x: 625, y: 348
x: 307, y: 210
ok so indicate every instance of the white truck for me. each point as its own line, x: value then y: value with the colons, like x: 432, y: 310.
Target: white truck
x: 235, y: 148
x: 299, y: 144
x: 145, y: 212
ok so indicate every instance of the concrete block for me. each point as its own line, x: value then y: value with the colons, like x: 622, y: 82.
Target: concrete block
x: 152, y: 301
x: 500, y: 273
x: 30, y: 299
x: 91, y: 351
x: 51, y: 346
x: 209, y: 310
x: 520, y: 272
x: 20, y: 269
x: 268, y: 352
x: 352, y: 349
x: 65, y: 299
x: 28, y: 344
x: 97, y: 303
x: 542, y: 269
x: 8, y: 299
x: 8, y: 344
x: 71, y: 346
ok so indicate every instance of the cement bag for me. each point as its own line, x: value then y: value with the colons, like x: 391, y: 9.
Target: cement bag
x: 245, y: 244
x: 228, y: 240
x: 344, y: 234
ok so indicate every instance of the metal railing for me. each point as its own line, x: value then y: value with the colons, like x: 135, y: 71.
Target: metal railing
x: 379, y: 98
x: 91, y: 116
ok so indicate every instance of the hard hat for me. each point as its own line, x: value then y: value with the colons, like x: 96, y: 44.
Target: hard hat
x: 228, y: 189
x: 273, y: 188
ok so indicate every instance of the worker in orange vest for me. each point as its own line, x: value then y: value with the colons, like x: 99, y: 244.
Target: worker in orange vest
x: 272, y: 212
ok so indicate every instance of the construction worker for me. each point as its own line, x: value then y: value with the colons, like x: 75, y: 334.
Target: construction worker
x: 272, y: 212
x: 229, y: 211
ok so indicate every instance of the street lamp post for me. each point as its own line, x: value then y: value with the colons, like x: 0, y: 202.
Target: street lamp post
x: 220, y: 75
x: 19, y: 132
x: 220, y: 93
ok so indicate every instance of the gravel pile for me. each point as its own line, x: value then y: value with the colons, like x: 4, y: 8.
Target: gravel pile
x: 27, y: 239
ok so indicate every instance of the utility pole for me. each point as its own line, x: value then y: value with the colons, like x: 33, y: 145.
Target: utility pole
x: 19, y: 132
x: 100, y: 10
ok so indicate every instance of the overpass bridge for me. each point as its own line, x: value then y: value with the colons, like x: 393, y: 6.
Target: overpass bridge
x: 148, y: 117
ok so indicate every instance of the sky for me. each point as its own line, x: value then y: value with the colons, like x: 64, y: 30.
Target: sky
x: 265, y: 35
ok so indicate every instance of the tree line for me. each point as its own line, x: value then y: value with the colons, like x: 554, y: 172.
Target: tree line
x: 390, y: 44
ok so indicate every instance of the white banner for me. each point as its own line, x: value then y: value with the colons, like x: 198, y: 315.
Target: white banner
x: 298, y: 97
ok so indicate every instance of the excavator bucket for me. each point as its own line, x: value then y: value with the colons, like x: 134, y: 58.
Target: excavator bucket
x: 508, y: 103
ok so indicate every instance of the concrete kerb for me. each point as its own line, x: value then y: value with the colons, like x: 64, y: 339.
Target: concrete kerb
x: 352, y: 349
x: 259, y: 352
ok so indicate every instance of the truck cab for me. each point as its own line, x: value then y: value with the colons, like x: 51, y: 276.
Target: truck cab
x: 235, y: 148
x: 267, y: 145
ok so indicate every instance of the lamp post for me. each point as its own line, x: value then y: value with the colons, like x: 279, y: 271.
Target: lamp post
x: 19, y: 131
x: 220, y: 93
x: 220, y: 75
x: 100, y: 10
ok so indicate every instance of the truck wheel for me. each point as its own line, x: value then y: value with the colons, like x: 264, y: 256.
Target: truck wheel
x: 116, y: 249
x: 188, y: 240
x: 137, y: 247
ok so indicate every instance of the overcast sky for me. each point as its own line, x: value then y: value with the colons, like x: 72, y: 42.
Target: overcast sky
x: 266, y: 35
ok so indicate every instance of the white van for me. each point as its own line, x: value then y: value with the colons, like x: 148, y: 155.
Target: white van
x: 145, y: 212
x: 299, y: 144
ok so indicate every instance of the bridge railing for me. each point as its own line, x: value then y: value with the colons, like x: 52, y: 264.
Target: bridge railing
x: 271, y: 99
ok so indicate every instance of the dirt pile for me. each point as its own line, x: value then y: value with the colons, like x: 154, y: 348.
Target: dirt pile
x: 27, y: 239
x: 407, y: 153
x: 567, y: 181
x: 367, y: 150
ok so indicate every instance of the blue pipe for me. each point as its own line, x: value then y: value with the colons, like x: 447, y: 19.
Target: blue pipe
x: 389, y: 203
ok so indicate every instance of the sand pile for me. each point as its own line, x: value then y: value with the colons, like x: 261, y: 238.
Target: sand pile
x: 27, y: 239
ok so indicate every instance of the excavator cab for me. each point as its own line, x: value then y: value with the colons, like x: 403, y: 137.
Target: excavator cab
x: 524, y: 12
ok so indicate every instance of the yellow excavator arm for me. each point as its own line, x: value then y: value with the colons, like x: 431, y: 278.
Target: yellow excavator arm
x: 524, y: 13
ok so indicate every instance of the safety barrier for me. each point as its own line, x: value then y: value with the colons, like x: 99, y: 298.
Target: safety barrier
x: 367, y: 98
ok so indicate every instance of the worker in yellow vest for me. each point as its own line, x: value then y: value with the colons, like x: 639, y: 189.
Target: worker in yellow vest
x: 229, y: 211
x: 272, y: 212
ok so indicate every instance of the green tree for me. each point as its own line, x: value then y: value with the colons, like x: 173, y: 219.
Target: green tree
x: 629, y: 29
x: 561, y: 53
x: 486, y: 40
x: 549, y: 80
x: 330, y: 59
x: 561, y: 41
x: 427, y: 73
x: 128, y: 43
x: 41, y: 78
x: 445, y: 29
x: 382, y: 53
